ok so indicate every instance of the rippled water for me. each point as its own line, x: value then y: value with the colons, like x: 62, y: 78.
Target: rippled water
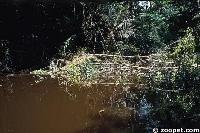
x: 30, y: 106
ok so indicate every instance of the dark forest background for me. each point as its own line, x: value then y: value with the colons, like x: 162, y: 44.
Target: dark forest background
x: 33, y: 32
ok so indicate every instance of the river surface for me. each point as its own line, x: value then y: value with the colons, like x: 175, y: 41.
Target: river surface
x: 29, y: 104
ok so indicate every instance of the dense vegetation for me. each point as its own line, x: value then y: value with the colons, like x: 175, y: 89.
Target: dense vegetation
x: 33, y: 33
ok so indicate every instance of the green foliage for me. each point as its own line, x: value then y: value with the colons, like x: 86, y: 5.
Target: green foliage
x: 145, y: 28
x: 186, y: 102
x: 152, y: 26
x: 115, y: 13
x: 81, y: 69
x: 40, y: 72
x: 184, y: 58
x: 5, y: 61
x: 176, y: 91
x: 175, y: 97
x: 107, y: 27
x: 68, y: 47
x: 78, y: 71
x: 185, y: 50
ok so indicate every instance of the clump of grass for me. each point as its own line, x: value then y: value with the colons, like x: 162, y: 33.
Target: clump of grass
x: 40, y: 72
x: 81, y: 69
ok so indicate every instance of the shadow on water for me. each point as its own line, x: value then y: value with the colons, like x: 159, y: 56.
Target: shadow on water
x: 28, y: 105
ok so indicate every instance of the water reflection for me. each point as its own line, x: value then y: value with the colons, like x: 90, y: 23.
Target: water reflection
x: 46, y: 107
x: 144, y: 109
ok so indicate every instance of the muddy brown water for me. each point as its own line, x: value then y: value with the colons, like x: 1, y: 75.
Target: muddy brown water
x: 28, y: 105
